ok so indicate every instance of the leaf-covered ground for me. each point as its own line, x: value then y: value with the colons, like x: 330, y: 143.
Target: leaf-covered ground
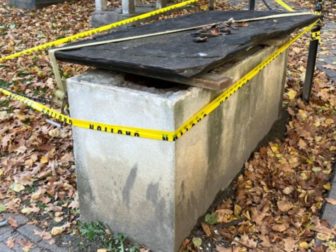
x: 36, y: 163
x: 274, y: 205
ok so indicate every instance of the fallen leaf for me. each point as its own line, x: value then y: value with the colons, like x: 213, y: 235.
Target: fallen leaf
x: 29, y: 210
x: 54, y: 133
x: 330, y: 66
x: 288, y: 190
x: 58, y: 230
x: 43, y: 234
x: 324, y: 237
x: 237, y: 210
x: 289, y: 244
x: 206, y: 229
x: 280, y: 227
x: 26, y: 245
x: 44, y: 160
x: 10, y: 242
x: 11, y: 221
x: 2, y: 208
x: 327, y: 186
x: 197, y: 242
x: 331, y: 201
x: 304, y: 245
x: 248, y: 242
x: 223, y: 249
x: 37, y: 195
x: 58, y: 219
x: 291, y: 94
x: 16, y: 187
x: 284, y: 205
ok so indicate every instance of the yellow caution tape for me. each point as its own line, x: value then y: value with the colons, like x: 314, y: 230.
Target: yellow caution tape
x: 316, y: 35
x: 96, y: 30
x: 284, y: 5
x: 159, y: 134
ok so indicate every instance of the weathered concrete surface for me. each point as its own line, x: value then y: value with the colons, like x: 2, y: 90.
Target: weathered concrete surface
x: 329, y: 210
x: 103, y: 17
x: 155, y: 191
x: 32, y: 4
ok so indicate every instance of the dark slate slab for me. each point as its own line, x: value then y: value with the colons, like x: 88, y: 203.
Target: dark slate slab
x: 176, y: 55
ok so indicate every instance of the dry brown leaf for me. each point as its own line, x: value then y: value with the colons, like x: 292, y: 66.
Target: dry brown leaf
x: 57, y: 230
x: 289, y: 244
x: 43, y: 234
x: 330, y: 66
x: 280, y: 227
x: 26, y: 245
x: 291, y: 94
x: 37, y: 195
x: 284, y: 205
x: 223, y: 249
x: 10, y: 242
x: 11, y: 221
x: 331, y: 201
x: 206, y: 229
x: 16, y: 187
x: 248, y: 242
x: 29, y: 210
x: 288, y: 190
x: 60, y: 229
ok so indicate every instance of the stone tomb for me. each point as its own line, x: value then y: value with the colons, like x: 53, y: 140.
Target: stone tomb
x: 32, y: 4
x: 155, y: 191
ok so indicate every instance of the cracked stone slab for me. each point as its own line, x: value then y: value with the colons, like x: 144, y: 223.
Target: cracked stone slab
x: 28, y: 231
x: 176, y: 55
x: 19, y: 240
x: 4, y: 248
x: 6, y: 229
x: 326, y: 60
x: 52, y: 247
x: 329, y: 212
x: 6, y: 235
x: 19, y: 218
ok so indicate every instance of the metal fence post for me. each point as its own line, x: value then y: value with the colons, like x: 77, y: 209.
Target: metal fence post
x: 252, y: 5
x: 313, y: 46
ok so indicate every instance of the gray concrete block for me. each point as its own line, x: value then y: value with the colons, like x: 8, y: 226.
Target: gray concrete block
x: 36, y: 249
x: 20, y: 219
x: 155, y: 191
x: 6, y: 229
x: 100, y: 18
x: 18, y: 240
x: 32, y: 4
x: 5, y: 236
x: 51, y: 247
x: 28, y: 231
x: 4, y: 248
x: 329, y: 210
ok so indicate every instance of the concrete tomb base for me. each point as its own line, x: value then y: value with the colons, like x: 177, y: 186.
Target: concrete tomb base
x: 32, y: 4
x: 104, y: 17
x: 154, y: 191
